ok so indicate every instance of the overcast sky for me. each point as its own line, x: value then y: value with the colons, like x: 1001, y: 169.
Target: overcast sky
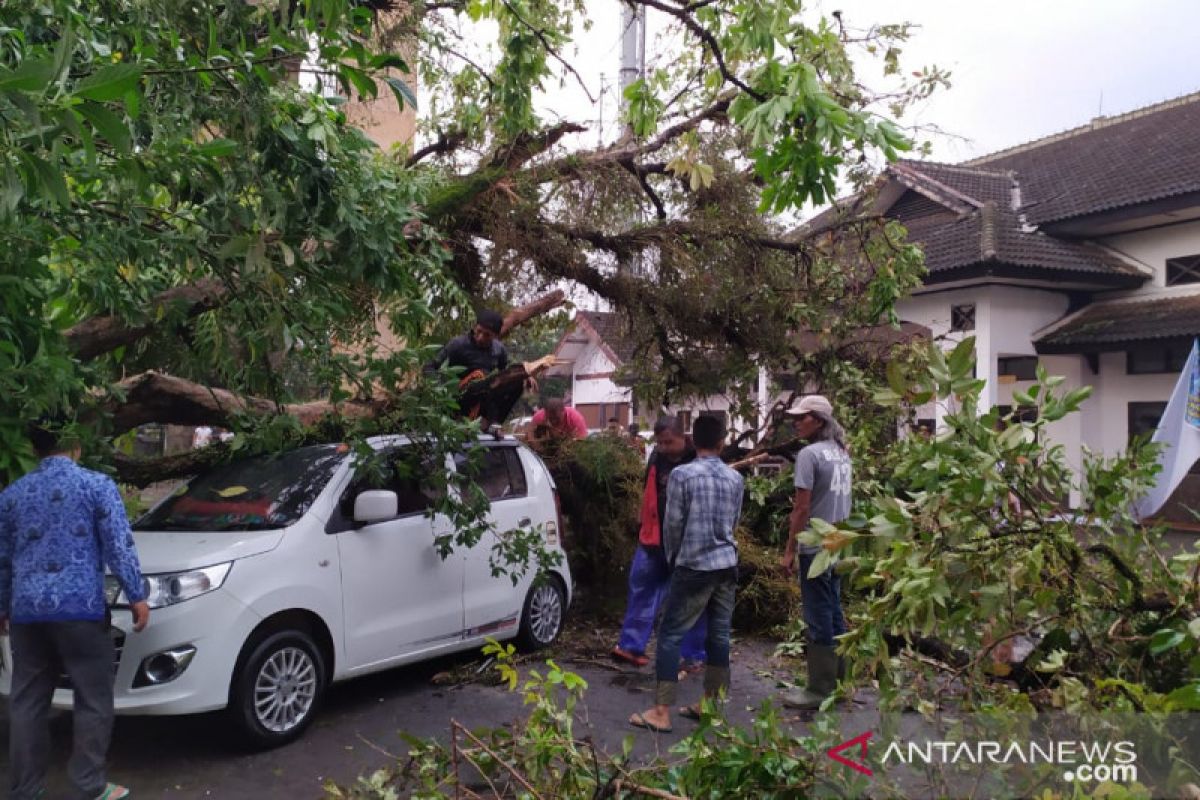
x: 1022, y: 69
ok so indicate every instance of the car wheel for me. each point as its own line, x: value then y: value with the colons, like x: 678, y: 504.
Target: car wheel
x: 542, y: 618
x: 278, y: 689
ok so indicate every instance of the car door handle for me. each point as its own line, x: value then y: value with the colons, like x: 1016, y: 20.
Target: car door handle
x: 524, y: 522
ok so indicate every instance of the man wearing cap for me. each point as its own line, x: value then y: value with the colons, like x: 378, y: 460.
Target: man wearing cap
x: 479, y: 353
x: 823, y: 482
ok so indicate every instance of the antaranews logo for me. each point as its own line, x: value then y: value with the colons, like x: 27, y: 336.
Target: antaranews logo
x: 859, y: 741
x: 1084, y: 761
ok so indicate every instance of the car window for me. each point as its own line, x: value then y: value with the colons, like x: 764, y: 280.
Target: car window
x: 259, y: 493
x: 399, y: 472
x: 498, y: 472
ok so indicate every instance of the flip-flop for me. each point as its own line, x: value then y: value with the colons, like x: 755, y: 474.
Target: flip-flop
x: 113, y: 792
x: 639, y: 721
x: 689, y: 712
x: 628, y: 657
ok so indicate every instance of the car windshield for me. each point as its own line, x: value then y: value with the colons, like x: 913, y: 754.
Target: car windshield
x: 259, y: 493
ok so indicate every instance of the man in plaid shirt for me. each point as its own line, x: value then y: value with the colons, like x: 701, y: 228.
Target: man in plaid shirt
x: 704, y: 501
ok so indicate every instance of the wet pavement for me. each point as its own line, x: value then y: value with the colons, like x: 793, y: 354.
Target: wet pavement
x: 361, y: 721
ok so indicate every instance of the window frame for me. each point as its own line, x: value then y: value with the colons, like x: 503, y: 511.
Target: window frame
x: 1175, y: 355
x: 512, y: 458
x: 1001, y: 361
x: 1189, y: 268
x: 957, y: 312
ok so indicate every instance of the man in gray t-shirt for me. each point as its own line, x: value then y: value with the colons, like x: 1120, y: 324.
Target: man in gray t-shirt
x: 824, y: 478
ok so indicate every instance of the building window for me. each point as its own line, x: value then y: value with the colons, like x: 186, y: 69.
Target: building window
x: 1156, y: 358
x: 1021, y: 368
x: 1185, y: 269
x: 1023, y: 414
x: 962, y: 318
x: 1143, y: 419
x: 685, y: 420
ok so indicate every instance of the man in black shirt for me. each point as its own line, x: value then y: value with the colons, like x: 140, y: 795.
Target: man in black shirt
x: 480, y: 354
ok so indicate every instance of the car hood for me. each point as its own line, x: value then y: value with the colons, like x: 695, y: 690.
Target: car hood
x: 174, y: 551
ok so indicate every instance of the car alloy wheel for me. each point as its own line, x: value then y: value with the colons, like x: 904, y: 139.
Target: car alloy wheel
x: 285, y: 689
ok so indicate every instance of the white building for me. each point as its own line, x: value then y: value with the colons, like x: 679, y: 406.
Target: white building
x: 594, y: 349
x: 1080, y: 250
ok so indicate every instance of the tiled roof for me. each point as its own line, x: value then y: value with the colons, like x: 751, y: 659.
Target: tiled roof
x: 993, y: 235
x: 1148, y: 154
x: 1115, y: 322
x: 613, y: 332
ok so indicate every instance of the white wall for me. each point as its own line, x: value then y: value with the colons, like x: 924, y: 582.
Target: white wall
x: 1155, y: 246
x: 593, y: 361
x: 1114, y: 391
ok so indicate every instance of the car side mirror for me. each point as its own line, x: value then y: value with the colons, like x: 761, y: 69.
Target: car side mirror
x: 375, y: 506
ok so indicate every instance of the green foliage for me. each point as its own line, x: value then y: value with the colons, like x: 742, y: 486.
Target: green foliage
x: 600, y: 486
x: 151, y: 146
x: 969, y: 541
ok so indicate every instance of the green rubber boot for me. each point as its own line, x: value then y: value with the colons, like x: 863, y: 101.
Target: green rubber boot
x: 822, y: 679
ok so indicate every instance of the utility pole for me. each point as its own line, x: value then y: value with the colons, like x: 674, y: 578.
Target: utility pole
x: 633, y: 68
x: 633, y: 47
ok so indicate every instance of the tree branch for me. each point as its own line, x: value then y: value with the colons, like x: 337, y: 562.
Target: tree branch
x: 99, y: 335
x: 704, y: 35
x: 519, y: 316
x: 446, y: 142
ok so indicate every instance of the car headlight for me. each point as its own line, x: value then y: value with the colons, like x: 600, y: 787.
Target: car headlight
x: 170, y: 588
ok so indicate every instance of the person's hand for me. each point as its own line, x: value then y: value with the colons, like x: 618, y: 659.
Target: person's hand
x: 788, y: 562
x: 141, y: 616
x: 531, y: 385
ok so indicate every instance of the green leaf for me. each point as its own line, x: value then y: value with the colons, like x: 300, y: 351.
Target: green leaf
x: 110, y: 126
x: 110, y: 83
x: 404, y: 93
x: 361, y: 81
x: 29, y: 77
x: 1164, y: 640
x: 53, y: 185
x: 218, y: 148
x: 1186, y: 697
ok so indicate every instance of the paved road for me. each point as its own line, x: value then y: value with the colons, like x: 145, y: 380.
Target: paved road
x: 189, y: 757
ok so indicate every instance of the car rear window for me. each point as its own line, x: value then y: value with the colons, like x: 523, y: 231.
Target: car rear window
x: 498, y: 471
x: 259, y: 493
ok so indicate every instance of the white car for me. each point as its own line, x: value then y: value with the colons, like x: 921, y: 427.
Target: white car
x: 273, y: 577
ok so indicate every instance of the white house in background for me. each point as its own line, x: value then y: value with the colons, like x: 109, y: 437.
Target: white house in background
x: 1080, y: 251
x: 594, y: 348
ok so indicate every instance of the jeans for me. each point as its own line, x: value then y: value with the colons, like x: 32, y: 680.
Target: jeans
x: 690, y: 595
x: 821, y: 598
x: 649, y: 576
x: 84, y: 651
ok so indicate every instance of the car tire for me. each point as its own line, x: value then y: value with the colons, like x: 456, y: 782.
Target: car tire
x: 543, y: 615
x: 277, y: 689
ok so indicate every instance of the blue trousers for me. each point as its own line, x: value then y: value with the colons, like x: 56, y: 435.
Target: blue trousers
x: 693, y: 595
x: 821, y: 598
x: 649, y: 577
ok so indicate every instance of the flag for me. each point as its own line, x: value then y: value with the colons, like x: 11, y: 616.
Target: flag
x: 1179, y: 431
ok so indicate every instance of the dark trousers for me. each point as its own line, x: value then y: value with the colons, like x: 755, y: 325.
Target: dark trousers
x: 690, y: 595
x: 84, y: 651
x: 649, y: 576
x: 821, y: 598
x: 480, y: 398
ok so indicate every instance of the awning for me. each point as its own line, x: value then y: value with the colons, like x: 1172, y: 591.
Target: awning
x: 1116, y: 324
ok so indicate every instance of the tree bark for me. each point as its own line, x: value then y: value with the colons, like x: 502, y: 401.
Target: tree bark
x: 519, y: 316
x: 99, y: 335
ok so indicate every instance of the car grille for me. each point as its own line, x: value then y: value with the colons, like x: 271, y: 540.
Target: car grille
x: 118, y: 637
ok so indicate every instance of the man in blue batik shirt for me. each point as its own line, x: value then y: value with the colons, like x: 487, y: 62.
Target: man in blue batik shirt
x: 60, y: 525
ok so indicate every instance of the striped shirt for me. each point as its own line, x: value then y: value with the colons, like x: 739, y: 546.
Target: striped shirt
x: 704, y: 502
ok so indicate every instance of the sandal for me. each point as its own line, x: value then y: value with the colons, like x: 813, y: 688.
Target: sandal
x: 690, y: 712
x: 113, y: 792
x: 637, y: 659
x: 640, y: 721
